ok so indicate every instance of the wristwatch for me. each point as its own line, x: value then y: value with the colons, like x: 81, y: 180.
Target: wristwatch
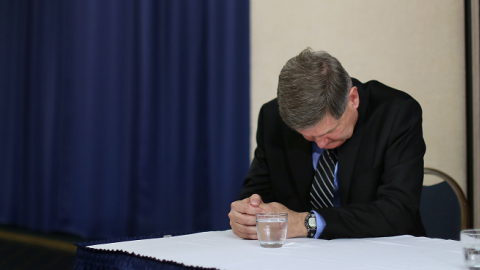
x: 311, y: 224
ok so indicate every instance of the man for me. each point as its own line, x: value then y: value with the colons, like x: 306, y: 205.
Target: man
x: 342, y: 158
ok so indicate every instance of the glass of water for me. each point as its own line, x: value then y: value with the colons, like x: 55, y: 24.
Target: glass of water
x: 272, y: 229
x: 470, y: 240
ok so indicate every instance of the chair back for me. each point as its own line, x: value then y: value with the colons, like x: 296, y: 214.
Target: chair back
x: 443, y: 207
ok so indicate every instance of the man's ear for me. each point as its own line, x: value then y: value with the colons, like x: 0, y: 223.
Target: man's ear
x: 353, y: 97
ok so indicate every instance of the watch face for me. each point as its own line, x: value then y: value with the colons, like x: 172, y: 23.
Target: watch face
x: 312, y: 222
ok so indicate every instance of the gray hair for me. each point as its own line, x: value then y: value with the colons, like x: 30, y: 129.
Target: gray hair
x: 310, y: 86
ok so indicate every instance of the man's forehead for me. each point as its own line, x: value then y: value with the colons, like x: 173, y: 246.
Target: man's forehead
x: 326, y: 125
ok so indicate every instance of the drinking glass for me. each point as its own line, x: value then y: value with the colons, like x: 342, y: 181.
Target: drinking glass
x: 470, y: 240
x: 272, y: 229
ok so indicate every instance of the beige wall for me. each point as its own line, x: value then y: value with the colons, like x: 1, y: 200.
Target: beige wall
x: 413, y: 45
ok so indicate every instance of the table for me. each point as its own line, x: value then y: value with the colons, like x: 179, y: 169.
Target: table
x: 224, y: 250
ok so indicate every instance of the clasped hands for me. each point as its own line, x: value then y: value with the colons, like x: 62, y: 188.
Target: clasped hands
x: 243, y: 223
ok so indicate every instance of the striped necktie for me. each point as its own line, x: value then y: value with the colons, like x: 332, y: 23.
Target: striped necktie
x: 321, y: 194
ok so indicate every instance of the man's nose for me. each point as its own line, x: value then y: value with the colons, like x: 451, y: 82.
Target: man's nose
x: 322, y: 142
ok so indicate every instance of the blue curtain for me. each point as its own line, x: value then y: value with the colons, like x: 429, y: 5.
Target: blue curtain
x: 121, y: 118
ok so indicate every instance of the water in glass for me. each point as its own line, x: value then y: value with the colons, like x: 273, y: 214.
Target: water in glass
x: 472, y: 257
x: 271, y: 231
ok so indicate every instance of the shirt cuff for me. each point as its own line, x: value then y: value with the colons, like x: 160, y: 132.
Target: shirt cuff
x: 320, y: 224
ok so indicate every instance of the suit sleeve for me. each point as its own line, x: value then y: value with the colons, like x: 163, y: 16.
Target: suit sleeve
x: 258, y: 180
x: 395, y: 208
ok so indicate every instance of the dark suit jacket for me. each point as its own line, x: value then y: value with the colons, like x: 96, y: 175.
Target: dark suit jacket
x: 380, y: 168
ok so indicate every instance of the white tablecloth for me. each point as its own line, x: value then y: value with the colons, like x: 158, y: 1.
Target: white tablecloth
x: 224, y: 250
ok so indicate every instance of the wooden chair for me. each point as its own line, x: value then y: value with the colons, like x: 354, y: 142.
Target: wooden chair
x: 443, y: 207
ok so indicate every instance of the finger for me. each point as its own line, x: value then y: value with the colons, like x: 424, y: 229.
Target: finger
x: 267, y: 207
x: 255, y: 200
x: 273, y: 207
x: 247, y: 232
x: 245, y: 208
x: 243, y: 219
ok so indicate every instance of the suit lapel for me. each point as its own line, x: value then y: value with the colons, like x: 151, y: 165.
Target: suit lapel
x: 348, y: 151
x: 299, y: 152
x: 347, y: 155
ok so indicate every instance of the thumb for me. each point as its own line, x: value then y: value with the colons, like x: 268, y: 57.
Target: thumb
x: 255, y: 200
